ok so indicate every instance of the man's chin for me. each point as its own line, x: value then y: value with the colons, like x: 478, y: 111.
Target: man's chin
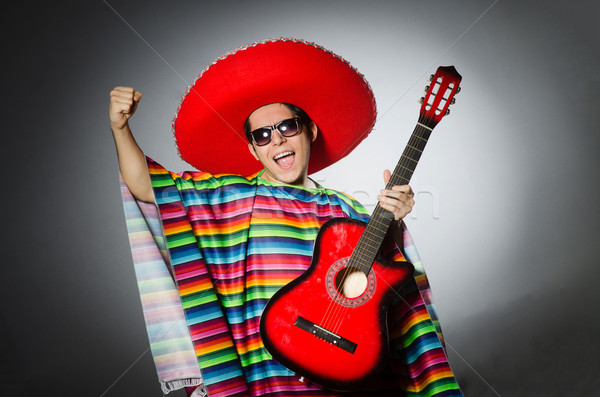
x: 288, y: 178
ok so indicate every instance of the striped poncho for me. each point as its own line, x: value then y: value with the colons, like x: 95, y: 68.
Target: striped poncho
x: 232, y: 243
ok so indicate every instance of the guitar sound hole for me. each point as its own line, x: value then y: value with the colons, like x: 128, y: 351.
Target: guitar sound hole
x: 350, y: 282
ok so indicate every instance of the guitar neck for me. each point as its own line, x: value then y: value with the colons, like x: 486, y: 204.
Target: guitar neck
x: 366, y: 250
x: 434, y: 106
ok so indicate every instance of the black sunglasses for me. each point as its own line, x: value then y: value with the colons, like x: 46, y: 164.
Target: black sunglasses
x: 286, y: 128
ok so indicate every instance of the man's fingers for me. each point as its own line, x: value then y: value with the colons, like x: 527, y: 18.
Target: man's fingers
x: 404, y: 189
x: 130, y: 90
x: 399, y: 192
x: 125, y: 93
x: 124, y: 100
x: 120, y: 106
x: 399, y: 213
x: 121, y: 95
x: 398, y: 199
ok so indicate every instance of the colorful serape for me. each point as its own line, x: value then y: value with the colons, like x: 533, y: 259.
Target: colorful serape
x: 233, y: 242
x: 170, y: 342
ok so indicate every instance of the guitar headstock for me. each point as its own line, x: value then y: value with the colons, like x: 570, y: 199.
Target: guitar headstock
x: 439, y: 95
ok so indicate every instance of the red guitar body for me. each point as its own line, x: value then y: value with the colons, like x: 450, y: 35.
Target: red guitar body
x: 314, y: 330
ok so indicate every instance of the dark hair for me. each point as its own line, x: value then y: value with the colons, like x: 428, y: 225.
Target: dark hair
x: 296, y: 111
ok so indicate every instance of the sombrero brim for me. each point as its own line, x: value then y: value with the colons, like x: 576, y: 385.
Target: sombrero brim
x: 209, y: 124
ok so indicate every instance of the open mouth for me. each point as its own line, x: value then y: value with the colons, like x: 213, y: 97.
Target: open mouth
x: 285, y: 159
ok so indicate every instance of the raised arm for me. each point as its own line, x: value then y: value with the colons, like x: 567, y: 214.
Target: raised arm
x: 123, y: 103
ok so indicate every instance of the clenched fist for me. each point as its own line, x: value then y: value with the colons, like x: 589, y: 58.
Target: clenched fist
x: 123, y: 103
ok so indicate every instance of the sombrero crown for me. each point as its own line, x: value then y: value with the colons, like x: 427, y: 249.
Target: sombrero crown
x: 209, y: 124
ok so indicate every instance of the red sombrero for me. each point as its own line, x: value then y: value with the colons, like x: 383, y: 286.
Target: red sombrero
x: 209, y: 124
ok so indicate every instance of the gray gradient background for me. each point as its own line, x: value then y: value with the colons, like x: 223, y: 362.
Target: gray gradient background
x: 507, y: 223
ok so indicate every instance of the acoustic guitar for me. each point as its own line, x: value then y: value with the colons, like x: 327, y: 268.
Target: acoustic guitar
x: 329, y: 324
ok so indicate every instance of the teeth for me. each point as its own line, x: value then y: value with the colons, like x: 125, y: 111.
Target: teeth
x: 280, y: 155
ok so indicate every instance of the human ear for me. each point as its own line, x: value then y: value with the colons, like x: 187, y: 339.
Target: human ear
x: 252, y: 151
x: 313, y: 131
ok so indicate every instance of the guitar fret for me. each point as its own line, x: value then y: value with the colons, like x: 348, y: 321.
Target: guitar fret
x: 412, y: 147
x: 418, y: 145
x: 370, y: 248
x: 357, y: 264
x: 416, y: 136
x: 399, y: 170
x: 374, y: 236
x: 371, y: 239
x: 403, y: 181
x: 384, y: 223
x: 365, y: 253
x: 408, y: 169
x: 369, y: 253
x: 380, y: 222
x: 418, y: 140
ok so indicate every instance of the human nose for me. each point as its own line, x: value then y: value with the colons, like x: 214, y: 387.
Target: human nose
x: 276, y: 137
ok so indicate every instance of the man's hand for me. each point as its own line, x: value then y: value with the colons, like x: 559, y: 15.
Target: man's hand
x: 123, y: 103
x: 399, y: 201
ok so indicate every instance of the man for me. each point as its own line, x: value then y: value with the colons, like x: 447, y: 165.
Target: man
x: 234, y: 240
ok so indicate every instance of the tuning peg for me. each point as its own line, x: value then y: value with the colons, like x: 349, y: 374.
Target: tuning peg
x: 422, y: 99
x: 430, y: 78
x: 426, y: 88
x: 457, y: 89
x: 447, y: 112
x: 452, y: 101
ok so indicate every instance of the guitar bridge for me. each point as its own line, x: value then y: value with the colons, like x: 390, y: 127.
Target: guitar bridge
x: 325, y: 334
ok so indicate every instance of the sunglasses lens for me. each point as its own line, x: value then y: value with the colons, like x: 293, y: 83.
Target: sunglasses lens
x: 261, y: 136
x: 288, y: 127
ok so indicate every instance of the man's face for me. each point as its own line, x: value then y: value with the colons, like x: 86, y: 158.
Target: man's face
x: 285, y: 159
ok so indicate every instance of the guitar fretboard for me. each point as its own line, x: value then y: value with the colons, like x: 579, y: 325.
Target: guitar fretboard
x: 366, y: 250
